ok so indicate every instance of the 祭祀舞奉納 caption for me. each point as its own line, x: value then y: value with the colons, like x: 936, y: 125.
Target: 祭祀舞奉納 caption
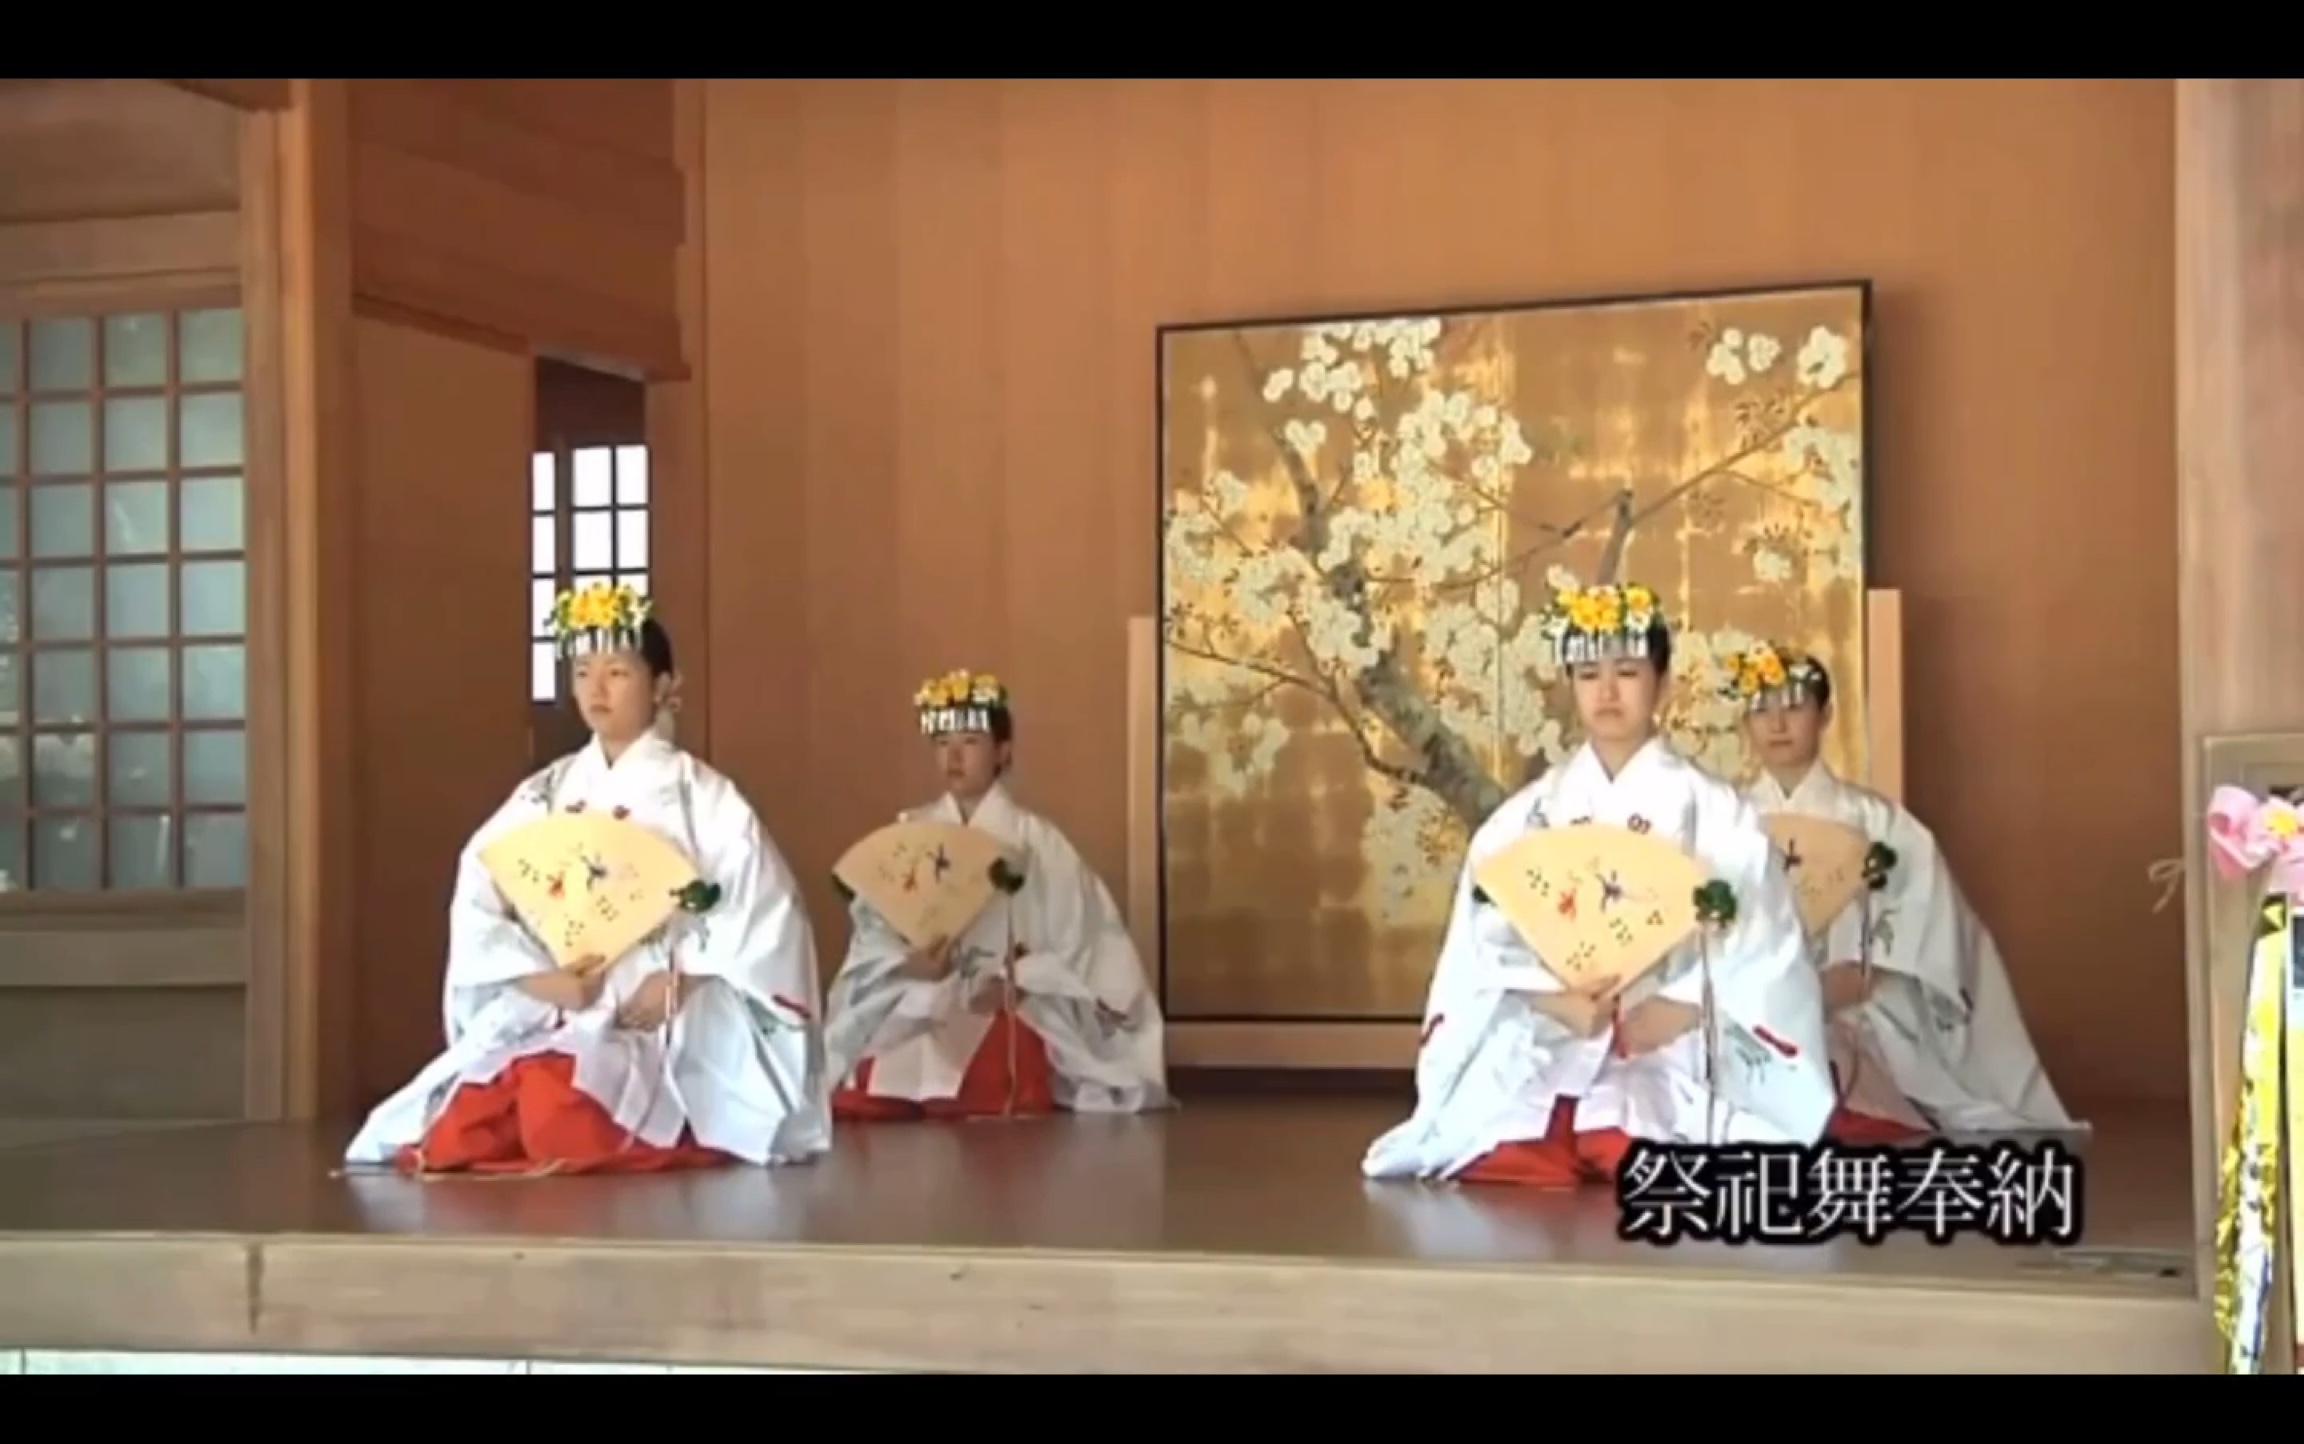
x: 2016, y: 1194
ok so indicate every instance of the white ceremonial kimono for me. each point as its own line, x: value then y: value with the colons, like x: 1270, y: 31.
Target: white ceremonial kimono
x: 746, y: 1058
x: 1492, y: 1066
x: 1943, y: 1021
x: 920, y: 1036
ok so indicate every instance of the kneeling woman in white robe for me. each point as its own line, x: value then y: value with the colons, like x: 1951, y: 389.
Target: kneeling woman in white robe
x: 1040, y: 1004
x: 1925, y: 1029
x: 698, y: 1047
x: 1519, y: 1081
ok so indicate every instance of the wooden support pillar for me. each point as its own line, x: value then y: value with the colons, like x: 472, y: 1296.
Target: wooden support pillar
x: 297, y: 274
x: 679, y: 445
x: 2240, y: 496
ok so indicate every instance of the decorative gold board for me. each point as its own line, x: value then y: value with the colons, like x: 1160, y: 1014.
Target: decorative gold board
x: 1729, y: 475
x: 1825, y: 861
x: 587, y: 884
x: 1598, y: 905
x: 928, y: 880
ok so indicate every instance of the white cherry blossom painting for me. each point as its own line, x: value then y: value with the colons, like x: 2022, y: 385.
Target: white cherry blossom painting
x: 1363, y: 521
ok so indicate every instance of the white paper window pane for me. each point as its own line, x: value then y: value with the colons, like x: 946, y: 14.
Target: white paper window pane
x: 543, y: 549
x: 592, y: 541
x: 216, y: 850
x: 594, y: 480
x: 541, y: 595
x: 592, y: 581
x: 631, y: 539
x: 631, y: 476
x: 637, y: 581
x: 543, y: 672
x: 543, y: 487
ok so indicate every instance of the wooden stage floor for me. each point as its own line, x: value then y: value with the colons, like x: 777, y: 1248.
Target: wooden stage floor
x: 1234, y: 1235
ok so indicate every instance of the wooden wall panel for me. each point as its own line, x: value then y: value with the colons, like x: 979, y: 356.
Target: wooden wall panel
x: 242, y: 94
x: 119, y: 1009
x: 577, y: 407
x: 679, y: 503
x: 614, y: 118
x: 107, y: 149
x: 547, y: 213
x: 765, y: 668
x: 928, y: 418
x: 443, y: 430
x: 132, y: 947
x: 2240, y: 500
x: 116, y: 191
x: 121, y: 1052
x: 203, y: 242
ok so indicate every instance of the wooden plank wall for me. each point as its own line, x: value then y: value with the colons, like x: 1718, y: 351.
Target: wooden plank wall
x: 548, y: 213
x: 120, y: 194
x: 439, y: 594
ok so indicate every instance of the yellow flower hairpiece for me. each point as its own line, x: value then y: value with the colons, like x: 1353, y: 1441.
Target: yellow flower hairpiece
x: 961, y: 689
x: 961, y: 701
x: 1765, y: 669
x: 587, y: 616
x: 1603, y: 610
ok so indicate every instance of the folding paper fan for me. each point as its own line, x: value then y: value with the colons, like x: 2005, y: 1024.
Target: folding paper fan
x: 1825, y: 861
x: 1599, y: 906
x: 588, y: 884
x: 930, y: 880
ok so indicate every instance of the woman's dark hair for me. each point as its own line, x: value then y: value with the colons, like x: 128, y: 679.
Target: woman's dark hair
x: 1820, y: 690
x: 656, y: 648
x: 1657, y: 648
x: 1003, y: 726
x: 1659, y: 641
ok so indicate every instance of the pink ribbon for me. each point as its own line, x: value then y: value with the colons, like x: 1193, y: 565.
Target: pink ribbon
x: 2246, y: 833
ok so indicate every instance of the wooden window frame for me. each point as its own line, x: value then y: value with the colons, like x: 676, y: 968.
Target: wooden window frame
x: 22, y: 818
x: 563, y: 513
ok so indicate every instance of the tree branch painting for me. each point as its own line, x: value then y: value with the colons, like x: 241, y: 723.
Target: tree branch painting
x: 1365, y: 518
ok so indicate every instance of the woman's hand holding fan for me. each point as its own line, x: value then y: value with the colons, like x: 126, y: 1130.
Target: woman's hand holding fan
x: 931, y: 963
x: 1652, y: 1024
x: 1586, y: 1015
x: 571, y: 991
x: 651, y: 1003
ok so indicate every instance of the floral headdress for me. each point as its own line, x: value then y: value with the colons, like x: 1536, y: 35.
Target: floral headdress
x: 1771, y: 676
x: 598, y: 618
x: 1593, y: 624
x: 961, y: 701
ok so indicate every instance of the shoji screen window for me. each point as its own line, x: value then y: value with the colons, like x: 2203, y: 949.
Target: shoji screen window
x: 123, y: 603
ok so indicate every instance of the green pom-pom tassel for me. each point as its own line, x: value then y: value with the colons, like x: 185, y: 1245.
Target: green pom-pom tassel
x: 1480, y: 898
x: 1006, y: 878
x: 1879, y: 861
x: 699, y: 896
x: 847, y: 894
x: 1716, y: 904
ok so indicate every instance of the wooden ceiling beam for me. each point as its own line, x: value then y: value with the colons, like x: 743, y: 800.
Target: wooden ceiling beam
x: 240, y: 94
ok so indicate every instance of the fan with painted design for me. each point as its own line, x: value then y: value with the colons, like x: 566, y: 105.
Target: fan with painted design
x: 1824, y: 860
x: 1599, y: 906
x: 588, y: 884
x: 928, y: 880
